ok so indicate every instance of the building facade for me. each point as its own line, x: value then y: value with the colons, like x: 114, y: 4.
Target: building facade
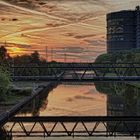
x: 123, y: 30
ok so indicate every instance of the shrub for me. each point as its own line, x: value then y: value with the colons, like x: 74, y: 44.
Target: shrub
x: 4, y: 83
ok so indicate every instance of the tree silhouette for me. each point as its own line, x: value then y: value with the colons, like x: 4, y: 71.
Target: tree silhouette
x: 35, y: 57
x: 3, y: 53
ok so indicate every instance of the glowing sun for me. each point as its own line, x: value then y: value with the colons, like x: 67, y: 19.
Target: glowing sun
x: 15, y: 50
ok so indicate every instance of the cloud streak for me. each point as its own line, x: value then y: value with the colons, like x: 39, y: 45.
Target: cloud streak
x: 77, y: 28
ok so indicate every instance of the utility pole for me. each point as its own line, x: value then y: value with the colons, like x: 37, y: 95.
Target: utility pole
x: 65, y: 55
x: 46, y: 54
x: 13, y: 64
x: 51, y: 54
x: 5, y: 44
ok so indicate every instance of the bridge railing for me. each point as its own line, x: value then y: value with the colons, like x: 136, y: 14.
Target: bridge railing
x: 80, y: 126
x: 77, y: 71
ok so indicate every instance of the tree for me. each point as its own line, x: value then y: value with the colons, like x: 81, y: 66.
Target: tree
x: 4, y: 83
x: 35, y: 57
x: 24, y: 59
x: 3, y: 53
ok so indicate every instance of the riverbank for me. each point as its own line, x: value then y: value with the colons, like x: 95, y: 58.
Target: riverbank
x: 41, y: 88
x: 17, y: 92
x: 135, y: 84
x: 15, y: 96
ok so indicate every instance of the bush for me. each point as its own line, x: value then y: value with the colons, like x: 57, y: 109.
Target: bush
x: 4, y: 83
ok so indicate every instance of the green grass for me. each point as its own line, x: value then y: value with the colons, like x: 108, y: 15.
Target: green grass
x: 136, y: 84
x: 16, y: 96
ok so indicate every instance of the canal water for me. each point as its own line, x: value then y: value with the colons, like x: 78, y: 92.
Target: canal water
x: 68, y: 100
x: 98, y: 99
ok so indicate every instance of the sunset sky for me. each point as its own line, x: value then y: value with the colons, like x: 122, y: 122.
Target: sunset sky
x: 72, y: 28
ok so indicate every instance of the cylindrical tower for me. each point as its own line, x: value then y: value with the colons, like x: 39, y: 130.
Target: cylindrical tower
x: 121, y: 31
x: 138, y: 27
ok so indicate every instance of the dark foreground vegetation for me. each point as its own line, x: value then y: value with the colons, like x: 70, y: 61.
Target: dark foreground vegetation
x: 125, y: 58
x: 120, y: 57
x: 8, y: 94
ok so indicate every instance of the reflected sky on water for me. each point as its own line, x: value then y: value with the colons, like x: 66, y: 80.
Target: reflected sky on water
x: 69, y: 100
x: 99, y: 99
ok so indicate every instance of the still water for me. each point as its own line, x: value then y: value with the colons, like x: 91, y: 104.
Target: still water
x: 69, y: 100
x: 99, y: 99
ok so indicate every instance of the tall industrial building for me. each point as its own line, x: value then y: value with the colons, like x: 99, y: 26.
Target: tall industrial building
x: 123, y: 30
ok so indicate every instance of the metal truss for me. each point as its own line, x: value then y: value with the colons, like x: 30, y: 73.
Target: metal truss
x: 77, y: 72
x: 73, y: 126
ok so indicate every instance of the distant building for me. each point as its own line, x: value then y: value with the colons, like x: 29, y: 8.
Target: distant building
x: 115, y: 106
x: 123, y: 30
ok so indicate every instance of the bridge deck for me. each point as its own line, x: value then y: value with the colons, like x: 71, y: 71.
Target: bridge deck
x: 77, y: 72
x: 78, y: 79
x: 74, y: 118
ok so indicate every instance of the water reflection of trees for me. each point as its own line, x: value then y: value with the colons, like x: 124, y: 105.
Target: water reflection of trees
x: 38, y: 104
x: 33, y: 108
x: 123, y: 99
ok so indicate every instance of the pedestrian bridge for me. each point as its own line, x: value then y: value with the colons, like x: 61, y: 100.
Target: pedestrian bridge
x: 77, y: 72
x: 74, y: 126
